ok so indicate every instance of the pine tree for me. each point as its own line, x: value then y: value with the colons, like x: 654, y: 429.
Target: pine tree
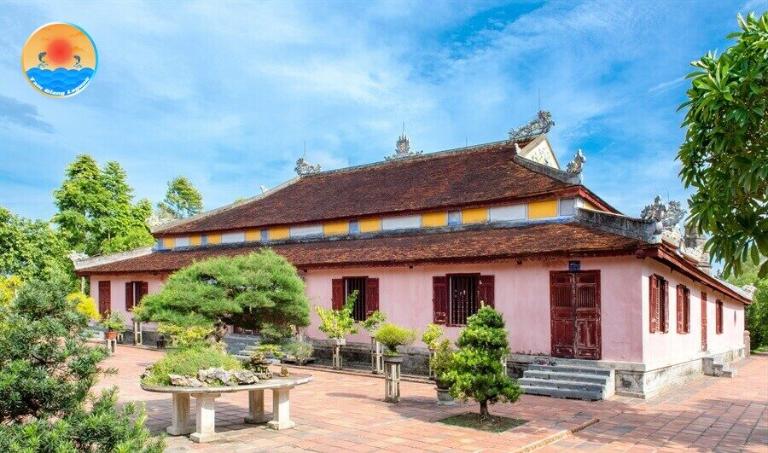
x: 476, y: 370
x: 182, y: 199
x: 96, y: 210
x: 260, y: 291
x: 46, y: 373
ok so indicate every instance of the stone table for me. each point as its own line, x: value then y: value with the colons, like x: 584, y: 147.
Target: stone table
x: 205, y: 426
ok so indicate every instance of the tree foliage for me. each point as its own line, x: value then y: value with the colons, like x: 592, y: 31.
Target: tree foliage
x: 96, y: 213
x: 757, y: 312
x: 181, y: 200
x: 30, y: 248
x: 46, y: 373
x: 337, y: 324
x: 725, y: 153
x: 260, y: 291
x: 476, y: 371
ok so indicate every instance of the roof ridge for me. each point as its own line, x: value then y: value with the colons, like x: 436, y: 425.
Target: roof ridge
x: 162, y: 227
x: 416, y: 158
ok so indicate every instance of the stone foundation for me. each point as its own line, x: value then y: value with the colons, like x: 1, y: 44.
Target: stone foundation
x: 358, y: 356
x: 633, y: 379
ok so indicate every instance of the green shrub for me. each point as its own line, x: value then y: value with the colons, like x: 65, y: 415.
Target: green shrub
x: 432, y: 333
x: 84, y: 305
x: 373, y: 321
x: 392, y: 336
x: 337, y: 324
x: 187, y: 337
x: 299, y: 350
x: 187, y: 362
x: 441, y: 363
x: 476, y: 371
x: 114, y: 322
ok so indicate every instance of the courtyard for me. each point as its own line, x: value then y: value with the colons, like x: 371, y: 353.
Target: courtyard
x: 346, y: 412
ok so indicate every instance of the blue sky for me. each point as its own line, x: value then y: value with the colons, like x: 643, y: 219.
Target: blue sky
x: 227, y: 93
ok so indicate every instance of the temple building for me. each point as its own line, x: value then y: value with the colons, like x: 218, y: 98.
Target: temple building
x: 428, y: 237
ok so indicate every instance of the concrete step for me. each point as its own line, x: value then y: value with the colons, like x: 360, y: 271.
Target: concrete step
x: 560, y: 375
x: 562, y: 393
x: 560, y: 384
x: 571, y: 369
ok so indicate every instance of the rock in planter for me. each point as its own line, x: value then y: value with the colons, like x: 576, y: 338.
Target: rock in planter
x: 245, y: 377
x: 215, y: 376
x: 184, y: 381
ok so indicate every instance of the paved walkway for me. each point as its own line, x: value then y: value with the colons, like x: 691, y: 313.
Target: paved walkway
x: 338, y: 412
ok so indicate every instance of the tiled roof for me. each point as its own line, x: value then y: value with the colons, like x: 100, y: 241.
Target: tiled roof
x: 478, y: 174
x: 542, y: 239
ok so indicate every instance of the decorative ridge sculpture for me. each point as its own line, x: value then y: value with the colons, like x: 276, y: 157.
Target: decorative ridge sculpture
x: 303, y: 168
x: 539, y: 125
x: 577, y: 163
x: 403, y: 148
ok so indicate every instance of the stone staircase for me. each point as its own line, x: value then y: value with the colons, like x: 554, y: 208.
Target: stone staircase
x: 715, y: 367
x: 581, y: 382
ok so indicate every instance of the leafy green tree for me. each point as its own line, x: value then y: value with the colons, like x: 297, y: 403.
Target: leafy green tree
x: 182, y: 199
x: 46, y: 373
x: 96, y: 213
x: 30, y: 248
x: 476, y: 371
x: 725, y: 153
x: 260, y: 291
x: 757, y: 312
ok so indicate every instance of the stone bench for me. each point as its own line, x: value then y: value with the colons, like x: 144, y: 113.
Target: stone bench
x: 205, y: 425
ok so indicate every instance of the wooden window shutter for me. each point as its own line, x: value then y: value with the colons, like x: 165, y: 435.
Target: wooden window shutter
x: 680, y: 303
x: 440, y: 300
x: 337, y: 293
x: 653, y: 303
x: 687, y: 310
x: 718, y: 316
x: 143, y: 291
x: 371, y: 295
x: 485, y: 290
x: 665, y: 305
x: 129, y: 296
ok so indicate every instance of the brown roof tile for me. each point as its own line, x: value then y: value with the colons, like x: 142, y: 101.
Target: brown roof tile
x: 480, y: 174
x: 467, y: 245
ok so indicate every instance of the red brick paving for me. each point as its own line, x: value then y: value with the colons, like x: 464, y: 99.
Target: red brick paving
x: 338, y: 412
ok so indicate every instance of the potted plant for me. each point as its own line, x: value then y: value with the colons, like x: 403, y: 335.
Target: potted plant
x: 298, y: 351
x: 371, y: 324
x: 114, y: 323
x: 440, y: 363
x: 431, y: 338
x: 392, y: 336
x: 337, y: 324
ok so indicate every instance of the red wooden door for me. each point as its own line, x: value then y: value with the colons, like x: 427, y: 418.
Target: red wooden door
x: 587, y: 305
x: 703, y: 321
x: 575, y: 314
x: 105, y: 297
x: 562, y: 319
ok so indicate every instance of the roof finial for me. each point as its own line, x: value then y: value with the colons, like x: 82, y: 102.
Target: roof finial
x: 402, y: 148
x: 538, y: 126
x: 577, y: 163
x: 303, y: 168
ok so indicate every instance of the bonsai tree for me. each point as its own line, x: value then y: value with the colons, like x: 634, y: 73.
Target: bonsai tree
x: 476, y: 371
x: 371, y: 323
x: 260, y: 291
x: 431, y: 335
x: 337, y: 324
x: 392, y: 336
x: 114, y: 323
x: 47, y: 371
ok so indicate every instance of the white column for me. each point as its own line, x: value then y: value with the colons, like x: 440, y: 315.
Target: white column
x: 137, y: 335
x: 281, y: 409
x: 255, y: 407
x: 180, y: 416
x: 205, y: 427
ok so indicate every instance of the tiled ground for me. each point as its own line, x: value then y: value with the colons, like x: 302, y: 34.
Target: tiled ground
x: 338, y: 412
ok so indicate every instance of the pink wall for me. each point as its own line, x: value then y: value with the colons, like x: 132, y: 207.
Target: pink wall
x: 118, y: 290
x: 661, y: 349
x: 522, y: 295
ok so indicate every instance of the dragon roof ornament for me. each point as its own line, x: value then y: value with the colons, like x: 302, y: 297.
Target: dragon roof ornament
x: 577, y: 163
x: 538, y: 126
